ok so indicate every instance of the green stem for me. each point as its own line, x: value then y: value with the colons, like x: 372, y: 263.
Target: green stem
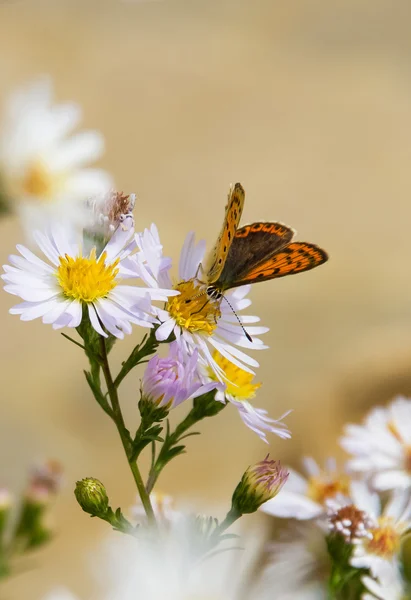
x: 148, y: 346
x: 232, y: 516
x: 203, y: 407
x: 124, y: 434
x: 169, y: 442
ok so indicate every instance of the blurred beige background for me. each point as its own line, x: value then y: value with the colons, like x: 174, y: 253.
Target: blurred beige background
x: 308, y: 104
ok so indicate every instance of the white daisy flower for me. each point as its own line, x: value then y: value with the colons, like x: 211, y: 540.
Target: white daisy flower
x: 59, y: 290
x: 198, y: 321
x: 381, y: 447
x: 41, y: 169
x: 239, y: 389
x: 306, y: 497
x: 298, y: 565
x: 390, y: 586
x: 383, y: 529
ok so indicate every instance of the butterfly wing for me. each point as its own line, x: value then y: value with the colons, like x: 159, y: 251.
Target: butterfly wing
x: 252, y: 245
x: 295, y: 257
x: 216, y: 261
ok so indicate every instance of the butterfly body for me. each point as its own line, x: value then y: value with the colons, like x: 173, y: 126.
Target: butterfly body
x: 257, y: 252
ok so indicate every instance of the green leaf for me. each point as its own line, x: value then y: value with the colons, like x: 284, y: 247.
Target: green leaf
x: 146, y: 347
x: 207, y: 406
x: 175, y: 451
x: 97, y: 393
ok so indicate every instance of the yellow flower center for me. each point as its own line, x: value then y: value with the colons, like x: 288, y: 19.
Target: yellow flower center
x: 86, y: 279
x: 239, y: 382
x: 386, y: 540
x: 321, y: 488
x: 39, y: 181
x: 193, y: 309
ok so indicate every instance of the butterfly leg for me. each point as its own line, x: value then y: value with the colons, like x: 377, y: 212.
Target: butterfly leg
x: 200, y: 309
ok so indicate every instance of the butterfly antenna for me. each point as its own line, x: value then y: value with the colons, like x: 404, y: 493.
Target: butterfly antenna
x: 247, y: 335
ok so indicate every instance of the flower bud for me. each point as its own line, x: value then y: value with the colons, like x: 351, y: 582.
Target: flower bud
x: 92, y: 496
x: 167, y: 382
x: 259, y: 484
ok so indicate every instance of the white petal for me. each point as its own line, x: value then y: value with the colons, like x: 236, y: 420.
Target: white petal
x: 396, y: 505
x: 46, y: 247
x: 365, y: 499
x: 77, y: 151
x: 37, y: 309
x: 311, y: 466
x: 233, y: 352
x: 164, y: 331
x: 88, y: 182
x: 390, y: 480
x: 75, y: 311
x: 94, y: 320
x: 30, y: 294
x: 56, y: 311
x: 290, y: 505
x: 32, y: 258
x: 109, y: 322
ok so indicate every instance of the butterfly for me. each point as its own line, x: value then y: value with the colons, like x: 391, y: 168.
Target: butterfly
x: 257, y: 252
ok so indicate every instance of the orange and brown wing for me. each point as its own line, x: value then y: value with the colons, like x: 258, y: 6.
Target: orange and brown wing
x: 275, y: 229
x: 216, y: 260
x: 296, y: 257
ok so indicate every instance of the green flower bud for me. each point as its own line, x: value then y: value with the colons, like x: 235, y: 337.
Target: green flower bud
x: 259, y: 484
x: 92, y: 496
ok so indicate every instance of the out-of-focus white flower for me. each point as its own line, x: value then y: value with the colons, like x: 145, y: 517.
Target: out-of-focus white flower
x: 379, y: 546
x: 239, y: 389
x: 58, y: 292
x: 45, y: 478
x: 298, y: 565
x: 163, y: 507
x: 199, y: 321
x: 389, y: 586
x: 42, y: 171
x: 381, y: 447
x: 305, y: 498
x: 167, y: 382
x: 171, y: 569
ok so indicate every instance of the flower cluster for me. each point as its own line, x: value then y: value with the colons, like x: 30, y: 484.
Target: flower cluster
x: 363, y: 510
x: 88, y: 268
